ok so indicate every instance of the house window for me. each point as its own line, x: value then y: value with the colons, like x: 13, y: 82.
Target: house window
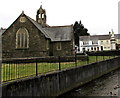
x: 95, y: 42
x: 97, y: 48
x: 59, y: 46
x: 107, y: 42
x: 83, y: 43
x: 83, y: 49
x: 101, y: 42
x: 86, y: 43
x: 22, y: 38
x: 91, y: 48
x: 88, y: 49
x: 94, y: 48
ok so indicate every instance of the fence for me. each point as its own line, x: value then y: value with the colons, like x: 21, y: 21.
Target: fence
x: 13, y: 69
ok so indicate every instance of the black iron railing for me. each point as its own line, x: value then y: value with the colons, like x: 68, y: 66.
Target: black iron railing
x: 13, y: 69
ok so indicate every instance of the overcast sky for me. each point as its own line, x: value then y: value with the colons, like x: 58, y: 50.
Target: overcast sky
x: 98, y: 16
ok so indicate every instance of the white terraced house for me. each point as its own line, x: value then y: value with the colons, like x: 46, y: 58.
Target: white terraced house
x: 97, y: 43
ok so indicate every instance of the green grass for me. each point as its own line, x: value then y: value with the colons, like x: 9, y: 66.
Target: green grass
x: 16, y: 71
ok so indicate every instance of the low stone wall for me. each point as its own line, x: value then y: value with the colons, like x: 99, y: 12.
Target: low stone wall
x: 104, y: 53
x: 54, y: 84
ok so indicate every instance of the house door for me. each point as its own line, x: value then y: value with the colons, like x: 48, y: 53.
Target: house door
x: 51, y: 50
x: 101, y: 48
x: 83, y: 49
x: 97, y: 48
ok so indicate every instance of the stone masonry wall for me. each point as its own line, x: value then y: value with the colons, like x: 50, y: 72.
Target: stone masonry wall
x: 54, y: 84
x: 37, y: 41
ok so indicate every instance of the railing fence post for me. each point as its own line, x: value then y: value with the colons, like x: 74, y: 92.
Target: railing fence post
x: 87, y: 59
x: 75, y: 59
x: 36, y: 68
x: 96, y: 59
x: 59, y: 63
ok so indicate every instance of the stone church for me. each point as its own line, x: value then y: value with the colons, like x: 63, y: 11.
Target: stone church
x: 26, y: 37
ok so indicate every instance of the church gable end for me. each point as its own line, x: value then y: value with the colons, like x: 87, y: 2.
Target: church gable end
x: 23, y: 39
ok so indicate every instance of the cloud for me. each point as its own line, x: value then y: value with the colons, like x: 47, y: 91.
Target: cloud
x: 96, y: 15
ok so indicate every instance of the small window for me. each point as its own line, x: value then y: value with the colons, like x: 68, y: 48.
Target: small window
x: 47, y: 44
x: 83, y: 43
x: 86, y: 43
x: 101, y: 42
x: 91, y: 48
x: 97, y: 48
x: 95, y: 42
x: 59, y: 46
x: 92, y: 42
x: 83, y: 49
x: 22, y: 38
x: 22, y: 19
x: 94, y: 48
x: 107, y: 41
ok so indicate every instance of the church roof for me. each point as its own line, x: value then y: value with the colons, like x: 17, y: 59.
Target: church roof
x: 38, y: 26
x: 55, y: 33
x: 59, y: 33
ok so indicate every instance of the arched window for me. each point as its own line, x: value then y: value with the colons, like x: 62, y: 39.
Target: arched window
x: 22, y: 38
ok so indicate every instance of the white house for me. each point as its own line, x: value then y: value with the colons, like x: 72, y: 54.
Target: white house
x: 97, y: 43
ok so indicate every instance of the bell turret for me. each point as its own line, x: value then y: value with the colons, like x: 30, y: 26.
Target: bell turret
x: 41, y: 16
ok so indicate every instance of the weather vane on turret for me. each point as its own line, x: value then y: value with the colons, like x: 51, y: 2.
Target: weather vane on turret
x: 41, y: 5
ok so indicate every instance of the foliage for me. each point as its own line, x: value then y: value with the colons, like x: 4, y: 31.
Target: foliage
x: 79, y: 30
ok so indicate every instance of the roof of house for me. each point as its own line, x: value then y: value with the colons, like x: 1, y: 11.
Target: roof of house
x: 97, y: 37
x: 55, y: 33
x: 103, y: 37
x: 117, y: 36
x: 87, y: 38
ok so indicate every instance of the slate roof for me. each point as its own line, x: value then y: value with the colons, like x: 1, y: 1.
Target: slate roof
x: 38, y: 26
x: 117, y: 36
x: 55, y: 33
x: 87, y: 38
x: 97, y: 37
x: 103, y: 37
x: 59, y: 33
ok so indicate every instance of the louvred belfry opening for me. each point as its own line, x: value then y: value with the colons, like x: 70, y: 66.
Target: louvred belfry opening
x: 41, y: 16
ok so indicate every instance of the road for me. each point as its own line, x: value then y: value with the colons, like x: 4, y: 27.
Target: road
x: 107, y: 85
